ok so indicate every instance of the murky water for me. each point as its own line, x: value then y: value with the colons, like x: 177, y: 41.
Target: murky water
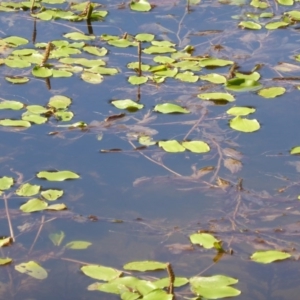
x: 155, y: 194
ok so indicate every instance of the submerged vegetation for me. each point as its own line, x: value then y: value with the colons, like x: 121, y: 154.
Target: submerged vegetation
x: 207, y: 79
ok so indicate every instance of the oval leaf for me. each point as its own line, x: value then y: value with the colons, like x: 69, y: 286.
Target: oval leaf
x: 33, y: 205
x: 171, y: 146
x: 146, y: 265
x: 101, y: 272
x: 266, y: 257
x: 196, y: 146
x: 169, y: 108
x: 32, y: 269
x: 205, y: 240
x: 244, y: 125
x: 57, y: 175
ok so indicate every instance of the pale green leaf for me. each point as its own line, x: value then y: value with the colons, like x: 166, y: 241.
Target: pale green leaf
x: 11, y: 104
x: 216, y: 96
x: 169, y: 108
x: 78, y: 245
x: 52, y: 195
x: 59, y: 102
x: 196, y: 146
x: 295, y: 150
x: 33, y: 205
x: 171, y: 146
x: 27, y: 190
x: 266, y: 257
x: 14, y: 123
x: 137, y: 80
x: 250, y: 25
x: 141, y: 5
x: 5, y: 261
x: 146, y: 265
x: 101, y: 272
x: 205, y: 240
x: 127, y: 104
x: 92, y: 78
x: 272, y: 92
x: 244, y: 125
x: 57, y: 175
x: 32, y: 269
x: 57, y: 238
x: 6, y: 183
x: 240, y: 111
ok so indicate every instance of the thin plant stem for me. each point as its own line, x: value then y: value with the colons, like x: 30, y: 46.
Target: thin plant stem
x: 140, y: 58
x: 204, y: 112
x: 11, y: 231
x: 156, y: 162
x: 213, y: 178
x: 37, y: 235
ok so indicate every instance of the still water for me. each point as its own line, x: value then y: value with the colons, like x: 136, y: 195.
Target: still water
x: 143, y: 204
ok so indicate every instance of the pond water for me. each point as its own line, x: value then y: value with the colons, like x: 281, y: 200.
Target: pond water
x: 136, y: 204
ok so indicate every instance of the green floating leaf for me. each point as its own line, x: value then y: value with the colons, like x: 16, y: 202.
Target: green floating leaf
x: 36, y: 119
x: 11, y: 104
x: 104, y: 71
x: 16, y: 79
x: 121, y: 43
x: 205, y: 240
x: 286, y: 2
x: 167, y: 73
x: 135, y: 65
x: 137, y: 80
x: 214, y: 62
x: 144, y: 37
x: 250, y: 25
x: 64, y: 116
x: 252, y: 76
x: 15, y: 62
x: 78, y: 245
x: 276, y: 25
x: 295, y: 151
x: 61, y: 74
x: 57, y: 238
x: 196, y: 146
x: 6, y: 183
x: 95, y: 50
x: 214, y: 287
x: 90, y: 63
x: 59, y: 102
x: 170, y: 108
x: 158, y: 49
x: 127, y: 104
x: 272, y: 92
x: 240, y: 111
x: 77, y: 36
x: 37, y: 109
x: 117, y: 285
x: 294, y: 14
x: 32, y: 269
x: 146, y: 265
x: 57, y: 175
x: 140, y: 5
x: 33, y: 205
x: 27, y: 190
x: 91, y: 77
x: 5, y: 241
x: 214, y: 78
x: 242, y: 85
x: 158, y: 294
x: 144, y: 140
x: 163, y: 59
x: 41, y: 72
x: 216, y: 96
x: 5, y: 261
x: 59, y: 206
x: 187, y: 77
x: 165, y: 282
x: 171, y: 146
x: 244, y: 125
x: 266, y: 257
x: 52, y: 195
x: 101, y: 272
x: 14, y: 123
x: 259, y: 4
x: 15, y: 41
